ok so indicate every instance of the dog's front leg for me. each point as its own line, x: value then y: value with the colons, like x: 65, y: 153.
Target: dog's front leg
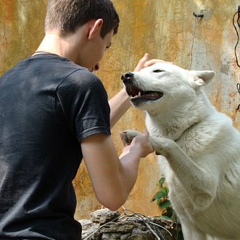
x: 191, y: 232
x: 199, y: 183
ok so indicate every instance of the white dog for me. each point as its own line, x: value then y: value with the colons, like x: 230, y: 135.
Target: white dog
x: 199, y: 148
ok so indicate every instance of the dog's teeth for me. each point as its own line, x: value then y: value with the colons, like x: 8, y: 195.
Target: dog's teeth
x: 139, y: 94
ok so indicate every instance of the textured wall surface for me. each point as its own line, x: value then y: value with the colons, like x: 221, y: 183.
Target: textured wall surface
x: 166, y: 30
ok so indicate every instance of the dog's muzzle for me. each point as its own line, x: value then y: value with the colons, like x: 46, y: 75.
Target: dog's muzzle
x: 127, y: 77
x: 129, y: 82
x: 136, y: 94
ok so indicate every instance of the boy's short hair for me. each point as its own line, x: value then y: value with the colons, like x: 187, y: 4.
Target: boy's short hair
x: 68, y: 15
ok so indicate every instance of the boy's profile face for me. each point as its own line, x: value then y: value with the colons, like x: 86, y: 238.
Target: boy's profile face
x: 102, y: 44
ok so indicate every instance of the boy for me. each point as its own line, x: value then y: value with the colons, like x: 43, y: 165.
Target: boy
x: 54, y: 111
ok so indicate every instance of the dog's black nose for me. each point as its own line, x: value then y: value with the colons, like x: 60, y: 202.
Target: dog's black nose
x: 127, y: 77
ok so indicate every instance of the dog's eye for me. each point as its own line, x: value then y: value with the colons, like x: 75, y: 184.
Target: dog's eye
x: 157, y: 70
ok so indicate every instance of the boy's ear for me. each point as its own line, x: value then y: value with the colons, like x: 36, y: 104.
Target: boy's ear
x: 95, y: 28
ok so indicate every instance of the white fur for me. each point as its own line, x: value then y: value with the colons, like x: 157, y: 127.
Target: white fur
x: 200, y: 151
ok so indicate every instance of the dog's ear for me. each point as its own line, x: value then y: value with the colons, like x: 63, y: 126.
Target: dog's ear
x: 202, y: 77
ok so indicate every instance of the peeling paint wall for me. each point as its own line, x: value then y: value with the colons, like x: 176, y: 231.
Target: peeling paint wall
x: 21, y: 29
x: 165, y: 29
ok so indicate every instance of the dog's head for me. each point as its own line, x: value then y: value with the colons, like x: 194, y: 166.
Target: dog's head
x: 163, y: 83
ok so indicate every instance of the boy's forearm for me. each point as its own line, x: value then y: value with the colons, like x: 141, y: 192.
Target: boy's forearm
x: 119, y: 104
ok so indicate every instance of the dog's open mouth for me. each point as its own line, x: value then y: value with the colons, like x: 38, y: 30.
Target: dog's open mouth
x: 137, y: 94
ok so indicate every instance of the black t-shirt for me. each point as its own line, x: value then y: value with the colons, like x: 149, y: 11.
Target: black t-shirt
x: 48, y: 105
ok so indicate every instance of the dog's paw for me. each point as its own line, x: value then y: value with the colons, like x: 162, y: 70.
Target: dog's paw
x: 128, y: 135
x: 163, y: 146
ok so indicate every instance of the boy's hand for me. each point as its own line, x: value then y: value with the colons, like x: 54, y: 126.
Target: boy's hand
x: 145, y: 62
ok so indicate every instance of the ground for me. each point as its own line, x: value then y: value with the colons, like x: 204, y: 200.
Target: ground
x: 128, y: 225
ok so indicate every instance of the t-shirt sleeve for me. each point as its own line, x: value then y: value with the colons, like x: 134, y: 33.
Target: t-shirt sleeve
x: 84, y: 102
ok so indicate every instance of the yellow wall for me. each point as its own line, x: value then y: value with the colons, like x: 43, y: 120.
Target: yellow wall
x: 165, y: 29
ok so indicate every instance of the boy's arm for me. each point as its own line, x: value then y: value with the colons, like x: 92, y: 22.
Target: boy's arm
x: 113, y: 177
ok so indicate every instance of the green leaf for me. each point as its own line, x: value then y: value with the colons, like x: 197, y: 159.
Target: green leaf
x: 165, y: 204
x: 159, y: 195
x: 166, y: 190
x: 161, y: 181
x: 165, y: 217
